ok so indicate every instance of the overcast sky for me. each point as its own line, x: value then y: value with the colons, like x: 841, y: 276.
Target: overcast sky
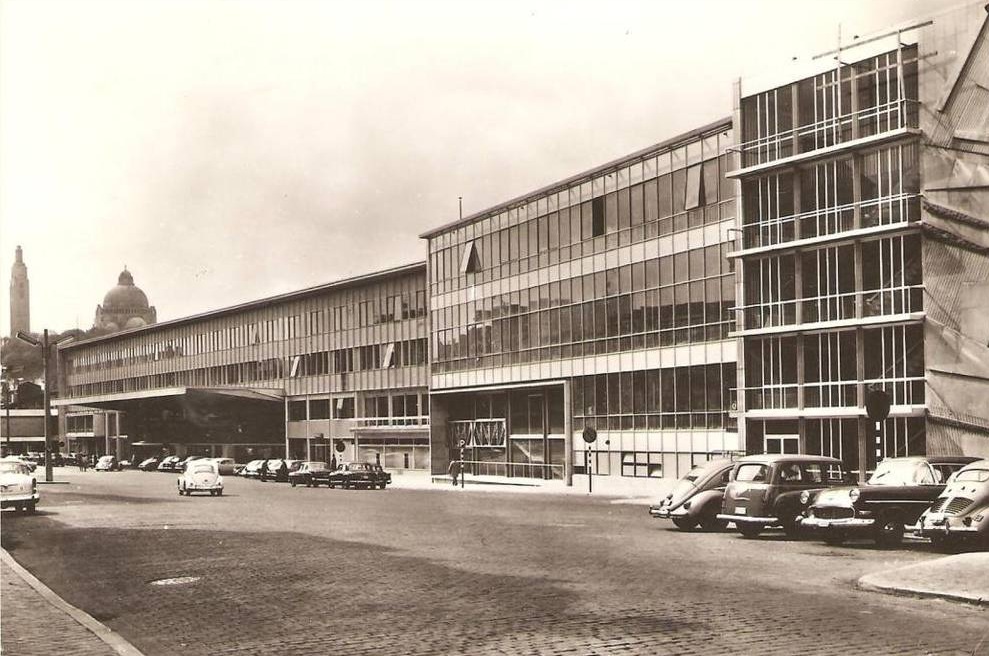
x: 225, y: 151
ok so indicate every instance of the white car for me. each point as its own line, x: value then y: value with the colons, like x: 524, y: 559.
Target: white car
x: 18, y: 486
x: 201, y: 476
x: 227, y: 465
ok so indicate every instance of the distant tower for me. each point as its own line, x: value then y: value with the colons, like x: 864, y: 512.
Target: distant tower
x: 20, y: 296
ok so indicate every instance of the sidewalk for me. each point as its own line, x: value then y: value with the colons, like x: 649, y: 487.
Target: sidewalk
x: 964, y: 577
x: 37, y: 622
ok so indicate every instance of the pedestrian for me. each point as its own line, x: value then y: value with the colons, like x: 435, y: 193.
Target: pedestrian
x: 81, y: 461
x: 282, y: 475
x: 454, y: 471
x: 264, y: 471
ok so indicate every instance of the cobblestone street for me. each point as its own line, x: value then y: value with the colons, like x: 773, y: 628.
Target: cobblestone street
x: 281, y: 570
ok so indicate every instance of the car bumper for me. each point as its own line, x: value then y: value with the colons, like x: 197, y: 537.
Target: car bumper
x: 203, y: 488
x: 746, y: 519
x: 20, y: 498
x: 941, y: 525
x: 844, y: 523
x: 664, y: 512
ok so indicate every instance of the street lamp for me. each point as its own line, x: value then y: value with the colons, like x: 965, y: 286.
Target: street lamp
x: 45, y: 345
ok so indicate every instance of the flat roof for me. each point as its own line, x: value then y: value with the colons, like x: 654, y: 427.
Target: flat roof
x: 590, y: 173
x: 250, y: 305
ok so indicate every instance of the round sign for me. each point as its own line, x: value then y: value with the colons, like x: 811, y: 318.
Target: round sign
x: 590, y: 434
x: 462, y: 443
x: 877, y: 404
x: 338, y: 446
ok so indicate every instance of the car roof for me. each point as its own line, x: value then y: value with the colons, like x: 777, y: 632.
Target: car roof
x: 954, y: 460
x: 771, y: 458
x: 977, y: 464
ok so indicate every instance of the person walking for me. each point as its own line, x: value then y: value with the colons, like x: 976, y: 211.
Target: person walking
x: 454, y: 470
x: 263, y: 475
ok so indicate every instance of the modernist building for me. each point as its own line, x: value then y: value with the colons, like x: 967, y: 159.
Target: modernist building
x: 863, y: 252
x: 20, y: 296
x: 601, y: 301
x: 340, y: 364
x: 124, y: 306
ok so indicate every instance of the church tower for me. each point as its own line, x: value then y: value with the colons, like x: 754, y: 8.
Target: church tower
x: 20, y: 296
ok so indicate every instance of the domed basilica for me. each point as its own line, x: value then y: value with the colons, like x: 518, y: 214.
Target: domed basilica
x: 124, y: 306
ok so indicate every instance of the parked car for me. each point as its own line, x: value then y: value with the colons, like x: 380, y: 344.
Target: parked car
x: 765, y: 490
x: 894, y: 496
x: 201, y: 475
x: 697, y: 497
x: 169, y: 463
x: 961, y: 511
x: 359, y: 474
x: 107, y: 463
x: 311, y: 474
x: 252, y: 469
x: 227, y: 466
x: 18, y: 486
x: 277, y: 473
x: 183, y: 463
x: 149, y: 464
x: 30, y: 464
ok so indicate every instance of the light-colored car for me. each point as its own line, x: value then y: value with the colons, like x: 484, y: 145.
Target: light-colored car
x: 31, y: 465
x: 252, y: 469
x: 961, y: 512
x: 697, y: 497
x: 18, y: 486
x: 201, y: 476
x: 107, y: 463
x: 227, y: 466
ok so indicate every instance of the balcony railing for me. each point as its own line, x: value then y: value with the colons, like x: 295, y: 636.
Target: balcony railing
x: 540, y: 470
x: 386, y: 422
x: 904, y: 299
x: 832, y: 394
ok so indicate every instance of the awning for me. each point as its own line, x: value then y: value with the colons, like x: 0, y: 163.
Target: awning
x: 114, y: 401
x: 147, y: 444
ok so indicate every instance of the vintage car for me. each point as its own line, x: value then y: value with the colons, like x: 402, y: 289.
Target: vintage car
x: 182, y: 464
x: 310, y: 474
x: 227, y: 466
x: 169, y: 463
x: 30, y: 464
x: 18, y: 486
x: 201, y: 475
x: 696, y: 498
x: 149, y: 464
x: 961, y: 512
x: 359, y: 474
x: 252, y: 469
x: 765, y: 490
x: 276, y: 472
x: 107, y: 463
x: 895, y: 495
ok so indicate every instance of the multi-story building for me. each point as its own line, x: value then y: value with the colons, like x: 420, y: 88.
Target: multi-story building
x: 601, y: 301
x: 339, y: 365
x: 862, y: 256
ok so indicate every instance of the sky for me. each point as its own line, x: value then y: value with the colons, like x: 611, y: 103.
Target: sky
x: 224, y: 151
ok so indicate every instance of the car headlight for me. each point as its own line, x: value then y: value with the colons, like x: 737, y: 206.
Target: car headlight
x: 686, y: 506
x: 805, y: 497
x: 979, y: 517
x: 854, y: 493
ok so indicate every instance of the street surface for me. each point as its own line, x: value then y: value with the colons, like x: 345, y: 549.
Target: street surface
x: 281, y: 570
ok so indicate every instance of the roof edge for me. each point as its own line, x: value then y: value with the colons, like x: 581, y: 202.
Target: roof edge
x: 542, y: 191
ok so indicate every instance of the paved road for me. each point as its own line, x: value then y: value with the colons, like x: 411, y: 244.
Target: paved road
x: 283, y: 571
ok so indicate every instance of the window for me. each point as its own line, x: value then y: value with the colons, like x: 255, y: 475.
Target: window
x: 319, y: 409
x: 296, y: 410
x: 389, y: 359
x: 597, y: 217
x: 470, y: 262
x: 344, y: 407
x: 695, y: 188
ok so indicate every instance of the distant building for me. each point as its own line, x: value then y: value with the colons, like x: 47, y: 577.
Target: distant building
x: 124, y: 306
x: 20, y: 296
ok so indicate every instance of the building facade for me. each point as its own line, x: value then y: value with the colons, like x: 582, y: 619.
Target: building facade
x: 600, y: 302
x: 862, y: 256
x: 341, y: 366
x: 20, y: 296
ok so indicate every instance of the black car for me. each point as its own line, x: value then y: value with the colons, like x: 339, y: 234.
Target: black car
x: 897, y: 493
x: 359, y: 474
x: 310, y: 474
x: 169, y: 464
x: 278, y: 473
x: 149, y: 464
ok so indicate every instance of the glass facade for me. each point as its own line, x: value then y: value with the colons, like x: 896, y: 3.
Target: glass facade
x: 614, y: 288
x: 830, y: 257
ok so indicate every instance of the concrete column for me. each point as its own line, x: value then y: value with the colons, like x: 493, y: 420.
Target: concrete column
x: 567, y: 435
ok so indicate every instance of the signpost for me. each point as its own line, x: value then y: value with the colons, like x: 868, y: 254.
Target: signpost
x: 590, y: 436
x: 463, y: 470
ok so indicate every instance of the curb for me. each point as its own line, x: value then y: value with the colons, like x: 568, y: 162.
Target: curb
x: 866, y: 583
x: 112, y: 639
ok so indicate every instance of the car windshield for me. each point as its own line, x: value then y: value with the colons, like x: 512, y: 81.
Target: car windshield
x: 360, y: 467
x: 106, y: 459
x: 902, y: 472
x: 11, y: 467
x: 202, y: 469
x: 753, y: 472
x: 973, y: 476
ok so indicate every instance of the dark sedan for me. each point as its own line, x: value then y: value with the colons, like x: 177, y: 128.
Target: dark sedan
x: 696, y: 498
x: 310, y: 474
x: 359, y: 474
x: 896, y: 494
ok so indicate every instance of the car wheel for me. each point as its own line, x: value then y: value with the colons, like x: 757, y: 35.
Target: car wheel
x: 888, y: 531
x: 331, y: 485
x: 749, y: 531
x: 29, y: 508
x: 710, y: 522
x: 834, y: 537
x: 684, y: 523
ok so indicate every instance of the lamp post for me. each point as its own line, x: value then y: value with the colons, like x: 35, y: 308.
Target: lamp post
x: 45, y: 345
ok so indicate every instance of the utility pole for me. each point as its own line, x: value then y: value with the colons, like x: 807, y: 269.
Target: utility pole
x: 45, y: 345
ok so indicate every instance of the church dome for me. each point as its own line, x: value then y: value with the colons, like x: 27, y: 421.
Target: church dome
x: 125, y: 296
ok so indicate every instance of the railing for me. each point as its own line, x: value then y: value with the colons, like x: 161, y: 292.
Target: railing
x: 478, y: 432
x: 375, y: 422
x: 903, y: 299
x: 898, y: 208
x: 828, y: 131
x: 832, y: 394
x: 513, y: 469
